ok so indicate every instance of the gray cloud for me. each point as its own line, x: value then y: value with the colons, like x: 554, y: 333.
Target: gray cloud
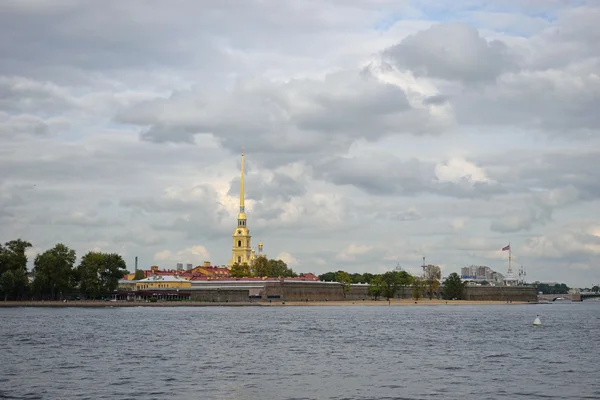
x: 278, y: 186
x: 297, y: 118
x: 368, y: 142
x: 384, y: 174
x: 453, y: 52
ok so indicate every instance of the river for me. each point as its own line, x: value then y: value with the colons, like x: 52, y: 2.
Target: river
x: 326, y: 352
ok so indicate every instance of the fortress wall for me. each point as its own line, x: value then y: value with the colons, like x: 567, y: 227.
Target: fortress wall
x: 221, y: 295
x: 299, y: 291
x: 313, y: 291
x: 502, y: 293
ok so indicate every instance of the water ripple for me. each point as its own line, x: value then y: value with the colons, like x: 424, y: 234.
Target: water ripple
x: 488, y: 352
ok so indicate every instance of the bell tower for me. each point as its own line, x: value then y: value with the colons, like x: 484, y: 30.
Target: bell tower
x: 242, y: 250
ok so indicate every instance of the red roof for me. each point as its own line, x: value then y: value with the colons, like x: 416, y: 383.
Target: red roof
x: 223, y: 275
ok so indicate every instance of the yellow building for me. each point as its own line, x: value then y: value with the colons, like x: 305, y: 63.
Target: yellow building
x: 162, y: 282
x: 242, y: 251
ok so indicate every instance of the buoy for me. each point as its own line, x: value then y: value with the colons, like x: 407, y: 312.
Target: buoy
x: 536, y: 321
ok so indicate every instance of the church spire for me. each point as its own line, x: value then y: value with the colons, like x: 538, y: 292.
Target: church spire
x: 242, y: 186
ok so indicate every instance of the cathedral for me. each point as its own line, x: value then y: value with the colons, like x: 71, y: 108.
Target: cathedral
x: 242, y: 251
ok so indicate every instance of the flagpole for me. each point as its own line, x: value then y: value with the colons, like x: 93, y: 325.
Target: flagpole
x: 509, y: 258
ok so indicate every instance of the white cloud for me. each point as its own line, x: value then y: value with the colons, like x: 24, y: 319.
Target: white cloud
x: 195, y: 255
x: 287, y: 258
x: 352, y: 251
x: 458, y: 169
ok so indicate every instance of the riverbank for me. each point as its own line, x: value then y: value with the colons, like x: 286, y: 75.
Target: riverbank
x: 395, y: 302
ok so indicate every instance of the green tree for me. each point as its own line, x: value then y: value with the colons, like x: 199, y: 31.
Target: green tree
x: 240, y: 270
x: 7, y: 284
x: 260, y: 267
x: 357, y: 278
x: 99, y: 273
x: 368, y: 277
x: 12, y: 255
x: 139, y: 275
x: 54, y: 272
x: 418, y: 285
x: 453, y: 287
x: 13, y: 259
x: 432, y: 276
x: 391, y: 283
x: 278, y: 268
x: 345, y: 279
x: 327, y: 277
x: 596, y: 289
x: 404, y: 279
x: 376, y: 287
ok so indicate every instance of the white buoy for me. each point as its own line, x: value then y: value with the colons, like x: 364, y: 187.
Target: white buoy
x: 536, y: 321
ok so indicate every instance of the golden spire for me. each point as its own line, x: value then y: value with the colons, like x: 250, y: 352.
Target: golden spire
x: 242, y: 186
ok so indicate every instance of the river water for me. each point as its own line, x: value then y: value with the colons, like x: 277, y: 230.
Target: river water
x: 327, y: 352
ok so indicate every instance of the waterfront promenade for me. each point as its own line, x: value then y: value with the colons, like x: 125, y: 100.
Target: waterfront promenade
x: 394, y: 302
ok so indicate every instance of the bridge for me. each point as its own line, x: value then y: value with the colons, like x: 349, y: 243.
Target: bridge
x: 589, y: 295
x: 568, y: 296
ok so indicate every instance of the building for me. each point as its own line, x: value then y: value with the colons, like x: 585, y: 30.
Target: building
x: 480, y: 273
x: 242, y: 251
x: 163, y: 282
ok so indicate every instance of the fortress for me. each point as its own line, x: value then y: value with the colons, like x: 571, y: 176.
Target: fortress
x: 214, y: 284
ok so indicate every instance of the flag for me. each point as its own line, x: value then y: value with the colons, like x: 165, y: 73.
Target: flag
x: 506, y: 248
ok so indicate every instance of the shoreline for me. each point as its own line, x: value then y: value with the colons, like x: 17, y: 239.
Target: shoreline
x: 367, y: 303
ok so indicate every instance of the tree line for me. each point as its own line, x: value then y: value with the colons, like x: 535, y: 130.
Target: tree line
x: 558, y: 288
x: 55, y: 274
x: 397, y: 282
x: 262, y: 267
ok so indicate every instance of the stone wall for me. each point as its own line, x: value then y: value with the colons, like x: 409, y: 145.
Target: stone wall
x: 221, y: 295
x: 313, y: 291
x: 503, y: 293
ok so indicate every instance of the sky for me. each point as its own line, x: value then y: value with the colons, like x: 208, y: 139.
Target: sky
x: 375, y: 132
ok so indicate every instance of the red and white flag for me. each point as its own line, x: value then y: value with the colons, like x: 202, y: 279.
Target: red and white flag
x: 506, y: 248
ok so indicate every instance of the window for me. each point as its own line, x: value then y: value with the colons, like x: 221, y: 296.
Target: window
x: 239, y: 259
x: 239, y: 243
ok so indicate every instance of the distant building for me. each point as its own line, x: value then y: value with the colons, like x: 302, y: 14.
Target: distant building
x: 480, y: 273
x: 162, y: 282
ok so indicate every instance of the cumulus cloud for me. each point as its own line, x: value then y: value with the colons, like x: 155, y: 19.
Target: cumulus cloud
x: 193, y: 255
x: 370, y: 141
x: 452, y: 52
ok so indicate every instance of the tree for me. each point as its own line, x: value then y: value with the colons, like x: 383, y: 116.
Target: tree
x: 278, y: 268
x: 390, y: 284
x: 404, y: 279
x: 54, y: 273
x: 376, y: 287
x: 240, y: 270
x: 327, y: 277
x: 14, y: 260
x: 432, y: 275
x: 139, y: 275
x: 554, y: 289
x: 99, y: 273
x: 596, y: 289
x: 418, y: 286
x: 345, y: 279
x: 12, y: 255
x: 260, y: 267
x: 453, y: 287
x: 368, y: 277
x: 7, y: 283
